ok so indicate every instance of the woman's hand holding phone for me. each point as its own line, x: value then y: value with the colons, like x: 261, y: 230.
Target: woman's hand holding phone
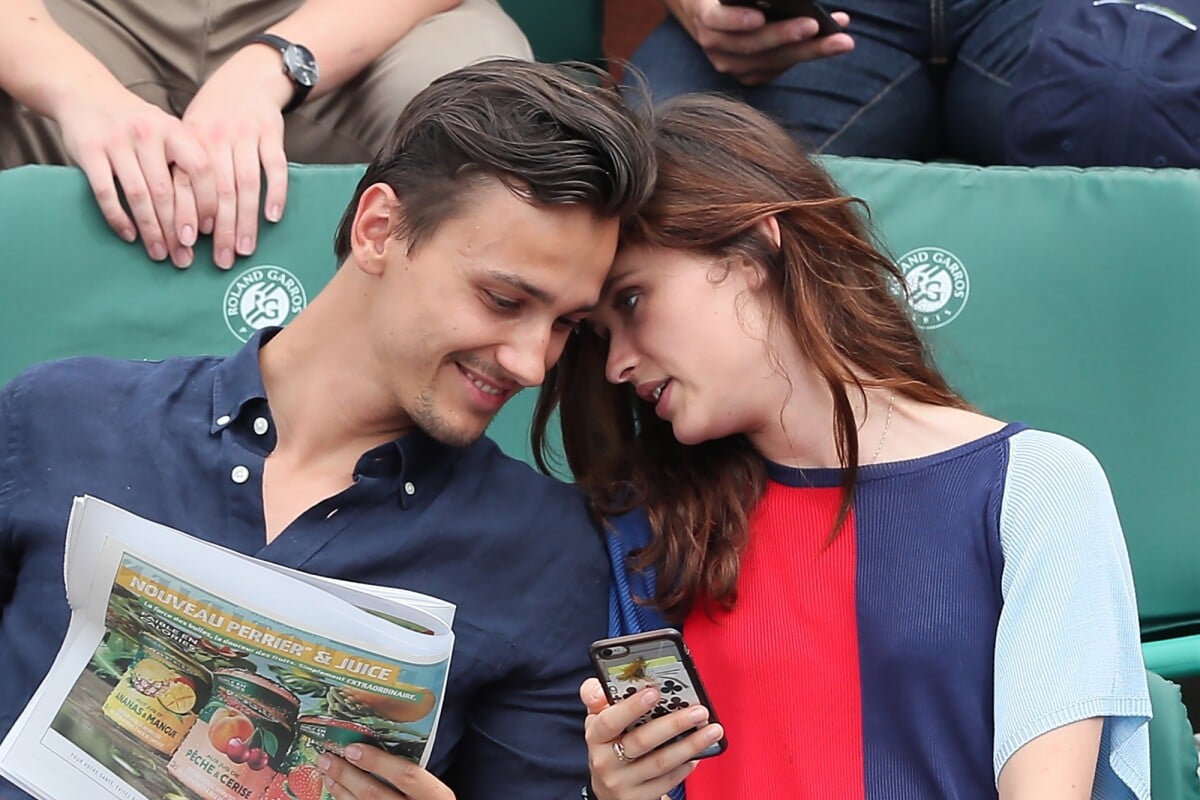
x: 638, y: 764
x: 739, y: 41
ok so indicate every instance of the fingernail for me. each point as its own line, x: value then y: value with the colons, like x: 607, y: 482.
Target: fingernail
x: 598, y: 693
x: 187, y: 236
x: 353, y: 752
x: 206, y: 225
x: 129, y: 234
x: 714, y: 733
x: 698, y: 715
x: 328, y: 782
x: 158, y: 251
x: 182, y: 257
x: 323, y: 762
x: 246, y: 246
x: 650, y: 698
x: 274, y: 213
x: 225, y: 258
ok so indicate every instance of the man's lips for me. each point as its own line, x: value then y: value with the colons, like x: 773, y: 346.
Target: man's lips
x: 487, y: 385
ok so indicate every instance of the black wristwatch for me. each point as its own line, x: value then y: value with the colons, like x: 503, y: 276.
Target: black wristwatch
x: 299, y: 65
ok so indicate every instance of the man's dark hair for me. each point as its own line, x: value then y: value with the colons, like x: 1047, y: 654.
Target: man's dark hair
x: 553, y: 133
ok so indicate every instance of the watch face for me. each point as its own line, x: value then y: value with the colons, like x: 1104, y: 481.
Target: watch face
x: 301, y: 65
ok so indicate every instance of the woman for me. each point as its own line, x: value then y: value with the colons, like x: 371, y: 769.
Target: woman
x: 888, y: 594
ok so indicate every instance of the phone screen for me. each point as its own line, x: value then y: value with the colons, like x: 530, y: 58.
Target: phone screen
x: 628, y: 664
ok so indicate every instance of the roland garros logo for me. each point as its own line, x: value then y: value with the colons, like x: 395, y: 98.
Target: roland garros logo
x: 938, y: 286
x: 260, y: 297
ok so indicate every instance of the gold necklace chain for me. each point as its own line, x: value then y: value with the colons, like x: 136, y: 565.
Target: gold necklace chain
x: 887, y: 422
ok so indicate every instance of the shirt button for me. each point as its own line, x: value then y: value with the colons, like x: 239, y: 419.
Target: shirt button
x: 239, y: 474
x: 261, y: 425
x: 409, y: 489
x: 224, y: 420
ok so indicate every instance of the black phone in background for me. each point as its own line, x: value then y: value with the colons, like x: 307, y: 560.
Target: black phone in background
x: 626, y: 664
x: 775, y: 10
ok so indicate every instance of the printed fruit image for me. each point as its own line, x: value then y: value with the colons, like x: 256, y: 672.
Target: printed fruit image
x: 237, y: 751
x: 304, y: 782
x: 225, y: 726
x: 417, y: 703
x: 150, y: 677
x: 256, y: 759
x: 179, y: 697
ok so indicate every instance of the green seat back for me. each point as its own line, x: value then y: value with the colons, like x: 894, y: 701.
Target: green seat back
x: 1172, y: 748
x: 1067, y: 299
x: 1074, y: 315
x: 561, y: 31
x: 69, y: 286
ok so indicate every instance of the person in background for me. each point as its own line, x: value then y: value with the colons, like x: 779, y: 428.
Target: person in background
x: 888, y: 594
x: 351, y: 443
x: 1109, y: 84
x: 189, y: 110
x: 906, y: 79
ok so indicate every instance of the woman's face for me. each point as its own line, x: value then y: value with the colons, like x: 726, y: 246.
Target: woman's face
x: 689, y: 334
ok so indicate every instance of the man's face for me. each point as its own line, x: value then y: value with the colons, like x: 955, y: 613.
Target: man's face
x: 482, y: 307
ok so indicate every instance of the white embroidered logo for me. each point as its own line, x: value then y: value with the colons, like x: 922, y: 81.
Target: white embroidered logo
x: 938, y: 286
x: 260, y: 297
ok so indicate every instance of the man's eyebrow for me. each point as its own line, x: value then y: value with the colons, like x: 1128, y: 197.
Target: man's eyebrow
x: 536, y: 292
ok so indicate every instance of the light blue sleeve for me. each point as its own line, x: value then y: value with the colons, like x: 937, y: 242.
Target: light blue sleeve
x: 1068, y: 644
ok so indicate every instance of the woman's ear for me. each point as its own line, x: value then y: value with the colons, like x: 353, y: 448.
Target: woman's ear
x: 770, y: 227
x: 375, y: 222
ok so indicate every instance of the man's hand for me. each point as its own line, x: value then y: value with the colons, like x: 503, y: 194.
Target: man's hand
x: 236, y: 116
x: 739, y: 42
x: 368, y: 773
x: 119, y: 139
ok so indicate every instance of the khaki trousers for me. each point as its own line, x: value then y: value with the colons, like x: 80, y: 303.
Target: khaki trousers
x: 163, y: 50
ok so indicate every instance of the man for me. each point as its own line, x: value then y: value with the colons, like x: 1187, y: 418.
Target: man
x: 349, y: 444
x: 182, y: 105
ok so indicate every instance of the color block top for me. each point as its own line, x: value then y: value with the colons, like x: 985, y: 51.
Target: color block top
x: 976, y: 599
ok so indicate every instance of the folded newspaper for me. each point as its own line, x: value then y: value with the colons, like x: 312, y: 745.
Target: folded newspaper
x: 190, y: 671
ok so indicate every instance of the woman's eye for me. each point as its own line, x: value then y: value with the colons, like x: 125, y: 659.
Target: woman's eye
x: 628, y: 300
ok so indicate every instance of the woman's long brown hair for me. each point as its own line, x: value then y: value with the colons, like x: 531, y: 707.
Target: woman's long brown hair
x: 723, y: 168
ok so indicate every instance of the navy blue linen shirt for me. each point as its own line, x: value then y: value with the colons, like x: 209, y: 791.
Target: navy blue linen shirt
x: 173, y: 440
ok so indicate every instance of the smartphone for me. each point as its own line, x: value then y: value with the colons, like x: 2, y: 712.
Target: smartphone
x: 775, y: 10
x: 659, y: 658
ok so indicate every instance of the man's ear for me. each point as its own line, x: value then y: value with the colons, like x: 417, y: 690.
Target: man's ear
x: 375, y: 221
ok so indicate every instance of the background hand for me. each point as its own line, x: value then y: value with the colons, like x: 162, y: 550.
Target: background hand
x: 647, y: 771
x: 357, y: 777
x: 739, y: 42
x: 236, y: 116
x: 119, y: 139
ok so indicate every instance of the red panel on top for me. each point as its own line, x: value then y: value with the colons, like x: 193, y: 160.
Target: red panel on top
x: 782, y: 668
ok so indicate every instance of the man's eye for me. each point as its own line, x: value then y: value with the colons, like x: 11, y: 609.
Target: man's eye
x: 568, y: 324
x: 503, y: 303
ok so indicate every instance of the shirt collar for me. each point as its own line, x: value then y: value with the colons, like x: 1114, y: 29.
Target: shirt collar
x: 419, y: 463
x: 239, y: 381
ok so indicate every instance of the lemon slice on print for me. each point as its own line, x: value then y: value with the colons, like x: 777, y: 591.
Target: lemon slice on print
x: 178, y: 698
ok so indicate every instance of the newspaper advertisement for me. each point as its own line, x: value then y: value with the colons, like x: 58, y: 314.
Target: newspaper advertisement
x: 192, y: 672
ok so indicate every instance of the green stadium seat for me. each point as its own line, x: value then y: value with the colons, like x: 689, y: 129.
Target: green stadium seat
x: 561, y: 31
x: 1065, y: 298
x: 1060, y: 297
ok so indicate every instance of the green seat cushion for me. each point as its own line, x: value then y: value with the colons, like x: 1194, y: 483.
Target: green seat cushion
x: 561, y: 31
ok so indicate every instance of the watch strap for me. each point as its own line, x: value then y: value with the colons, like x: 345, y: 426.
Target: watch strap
x: 299, y: 90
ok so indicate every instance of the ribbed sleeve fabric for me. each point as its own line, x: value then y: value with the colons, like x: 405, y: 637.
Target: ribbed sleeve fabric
x: 1067, y: 646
